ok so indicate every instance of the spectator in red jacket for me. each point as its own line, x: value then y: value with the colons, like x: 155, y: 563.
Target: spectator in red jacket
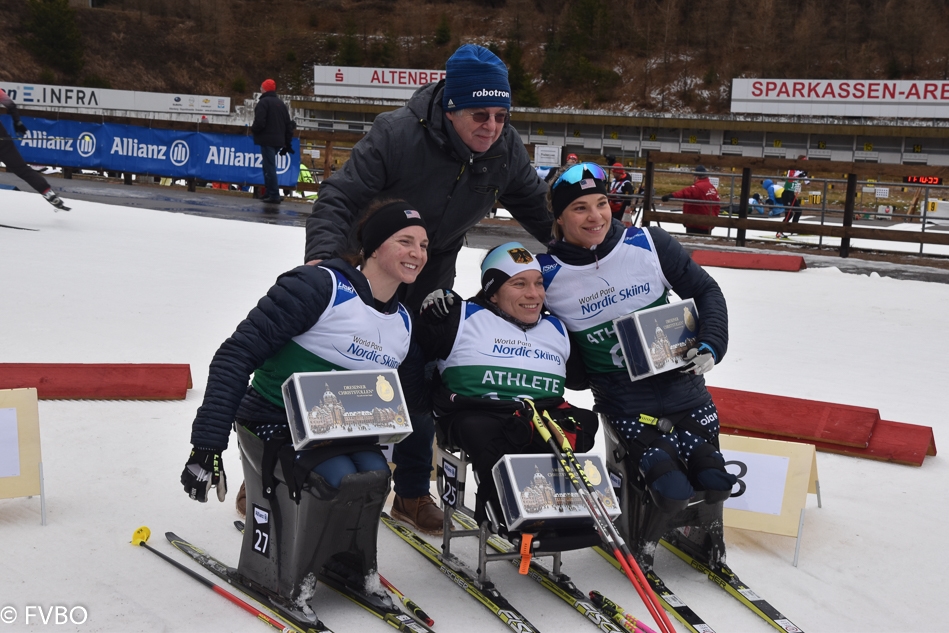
x: 620, y: 187
x: 701, y: 190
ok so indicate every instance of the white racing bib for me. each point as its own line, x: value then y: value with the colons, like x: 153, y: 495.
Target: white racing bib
x: 493, y: 358
x: 588, y: 298
x: 348, y: 335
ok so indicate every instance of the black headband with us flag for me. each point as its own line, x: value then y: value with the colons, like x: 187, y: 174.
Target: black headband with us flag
x: 387, y: 221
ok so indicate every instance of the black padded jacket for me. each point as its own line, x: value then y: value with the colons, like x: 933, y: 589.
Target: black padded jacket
x: 272, y: 125
x: 294, y: 303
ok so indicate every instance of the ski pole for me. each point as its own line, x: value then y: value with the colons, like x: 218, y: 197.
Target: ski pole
x: 619, y: 544
x: 604, y: 526
x: 140, y: 536
x: 411, y: 606
x: 617, y: 613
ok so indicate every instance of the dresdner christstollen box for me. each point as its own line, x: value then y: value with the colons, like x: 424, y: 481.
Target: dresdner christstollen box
x: 655, y: 340
x: 344, y: 405
x: 536, y: 493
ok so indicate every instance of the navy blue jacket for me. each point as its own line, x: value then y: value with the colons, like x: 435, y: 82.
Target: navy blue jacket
x: 670, y: 392
x: 294, y: 303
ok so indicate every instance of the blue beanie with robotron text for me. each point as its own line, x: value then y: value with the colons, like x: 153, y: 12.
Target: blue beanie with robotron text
x: 475, y: 78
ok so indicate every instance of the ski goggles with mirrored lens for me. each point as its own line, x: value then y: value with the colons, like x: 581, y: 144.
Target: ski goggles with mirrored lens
x: 575, y: 174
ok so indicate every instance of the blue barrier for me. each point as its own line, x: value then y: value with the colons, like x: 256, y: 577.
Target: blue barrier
x: 139, y: 150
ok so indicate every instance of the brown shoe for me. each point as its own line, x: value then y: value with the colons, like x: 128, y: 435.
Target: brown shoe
x: 421, y: 513
x: 242, y: 502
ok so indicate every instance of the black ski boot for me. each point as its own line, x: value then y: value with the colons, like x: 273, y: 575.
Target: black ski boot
x: 51, y: 197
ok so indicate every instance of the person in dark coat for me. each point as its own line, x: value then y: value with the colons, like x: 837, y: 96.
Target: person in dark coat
x: 10, y: 156
x: 273, y: 131
x: 451, y: 152
x: 596, y: 271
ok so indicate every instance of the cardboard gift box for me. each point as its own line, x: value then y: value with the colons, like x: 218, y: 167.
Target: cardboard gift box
x: 336, y: 406
x: 536, y: 493
x: 655, y: 340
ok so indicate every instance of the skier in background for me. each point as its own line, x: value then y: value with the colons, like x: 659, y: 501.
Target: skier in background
x: 791, y: 198
x: 10, y: 156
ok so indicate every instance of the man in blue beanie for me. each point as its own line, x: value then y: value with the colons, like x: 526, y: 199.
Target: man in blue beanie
x: 452, y: 155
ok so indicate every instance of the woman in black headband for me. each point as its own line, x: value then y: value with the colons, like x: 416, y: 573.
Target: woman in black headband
x: 309, y: 321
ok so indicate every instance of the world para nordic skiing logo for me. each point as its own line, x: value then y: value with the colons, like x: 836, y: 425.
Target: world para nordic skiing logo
x: 86, y: 144
x: 180, y: 153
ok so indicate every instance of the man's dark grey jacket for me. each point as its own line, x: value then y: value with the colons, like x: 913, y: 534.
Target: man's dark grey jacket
x: 413, y: 153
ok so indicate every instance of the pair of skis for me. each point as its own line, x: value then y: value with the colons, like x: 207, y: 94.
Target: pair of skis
x: 562, y: 587
x: 281, y: 613
x: 721, y: 575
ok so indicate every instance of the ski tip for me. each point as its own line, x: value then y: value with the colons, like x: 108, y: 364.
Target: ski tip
x: 140, y: 536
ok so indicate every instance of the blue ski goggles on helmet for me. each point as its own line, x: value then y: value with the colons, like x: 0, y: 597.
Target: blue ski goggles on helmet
x: 575, y: 174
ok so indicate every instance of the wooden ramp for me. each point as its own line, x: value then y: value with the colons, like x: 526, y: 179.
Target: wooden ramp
x: 832, y: 428
x: 752, y: 261
x: 69, y: 381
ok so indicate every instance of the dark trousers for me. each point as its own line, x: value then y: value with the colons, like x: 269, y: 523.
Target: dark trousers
x: 413, y: 458
x: 10, y: 156
x: 269, y: 164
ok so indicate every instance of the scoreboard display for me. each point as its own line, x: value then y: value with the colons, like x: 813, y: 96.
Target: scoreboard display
x: 923, y: 180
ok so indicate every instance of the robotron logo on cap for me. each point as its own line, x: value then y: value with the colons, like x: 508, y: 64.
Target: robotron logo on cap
x: 491, y: 93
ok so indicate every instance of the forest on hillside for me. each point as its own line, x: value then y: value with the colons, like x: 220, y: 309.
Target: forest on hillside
x: 622, y: 55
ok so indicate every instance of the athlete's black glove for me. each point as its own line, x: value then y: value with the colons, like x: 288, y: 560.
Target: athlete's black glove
x: 20, y: 128
x: 436, y: 304
x: 286, y: 150
x: 204, y: 470
x: 666, y: 198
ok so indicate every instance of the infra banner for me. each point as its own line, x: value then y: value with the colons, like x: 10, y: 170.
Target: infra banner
x: 140, y: 150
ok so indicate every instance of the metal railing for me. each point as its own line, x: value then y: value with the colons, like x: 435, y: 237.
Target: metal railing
x: 835, y: 218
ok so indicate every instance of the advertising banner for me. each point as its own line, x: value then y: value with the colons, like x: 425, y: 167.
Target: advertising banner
x: 373, y: 83
x: 42, y: 96
x: 139, y: 150
x: 845, y: 97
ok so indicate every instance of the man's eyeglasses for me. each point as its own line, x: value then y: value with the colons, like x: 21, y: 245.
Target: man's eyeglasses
x: 575, y: 174
x: 481, y: 116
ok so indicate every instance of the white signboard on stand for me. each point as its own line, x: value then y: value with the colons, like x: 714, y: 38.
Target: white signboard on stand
x: 774, y: 478
x: 21, y: 463
x: 547, y: 155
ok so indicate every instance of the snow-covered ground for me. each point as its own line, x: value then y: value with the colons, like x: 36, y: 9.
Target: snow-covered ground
x: 116, y: 284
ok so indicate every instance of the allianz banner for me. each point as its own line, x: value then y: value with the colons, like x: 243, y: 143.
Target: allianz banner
x: 139, y: 150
